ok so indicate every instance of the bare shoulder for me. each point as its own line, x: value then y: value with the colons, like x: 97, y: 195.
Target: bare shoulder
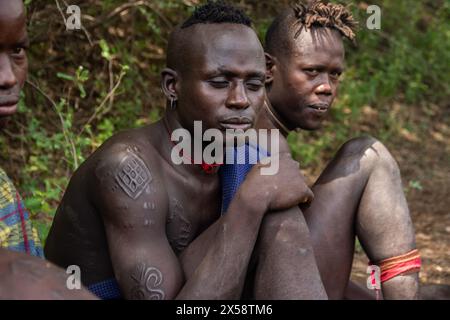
x: 126, y: 173
x: 130, y: 159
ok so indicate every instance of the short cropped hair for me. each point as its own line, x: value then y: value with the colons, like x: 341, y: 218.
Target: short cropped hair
x: 217, y: 12
x: 211, y: 12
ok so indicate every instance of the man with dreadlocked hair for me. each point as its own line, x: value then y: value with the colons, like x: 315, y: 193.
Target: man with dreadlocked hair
x: 360, y: 192
x: 141, y: 227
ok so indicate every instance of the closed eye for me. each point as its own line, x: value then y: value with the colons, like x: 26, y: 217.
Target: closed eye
x: 219, y: 83
x: 255, y: 85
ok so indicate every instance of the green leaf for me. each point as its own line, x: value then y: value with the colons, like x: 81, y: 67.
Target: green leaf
x: 65, y: 76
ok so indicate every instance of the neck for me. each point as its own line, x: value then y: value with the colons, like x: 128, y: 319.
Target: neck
x: 170, y: 123
x: 275, y: 118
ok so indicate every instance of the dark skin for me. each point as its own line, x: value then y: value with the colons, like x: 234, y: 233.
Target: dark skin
x: 362, y: 175
x: 166, y: 238
x: 22, y: 276
x: 13, y: 58
x: 306, y: 80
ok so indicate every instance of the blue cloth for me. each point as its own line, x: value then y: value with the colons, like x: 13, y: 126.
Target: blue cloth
x: 233, y: 174
x: 106, y: 290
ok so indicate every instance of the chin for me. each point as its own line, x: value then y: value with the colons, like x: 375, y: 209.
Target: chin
x: 310, y: 126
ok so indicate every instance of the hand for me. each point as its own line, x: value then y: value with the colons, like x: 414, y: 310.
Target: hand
x: 281, y: 191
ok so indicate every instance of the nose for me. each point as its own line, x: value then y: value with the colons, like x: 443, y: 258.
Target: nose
x: 324, y: 87
x: 7, y: 77
x: 237, y: 98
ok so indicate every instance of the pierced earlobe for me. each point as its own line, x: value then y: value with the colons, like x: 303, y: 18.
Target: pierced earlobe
x: 169, y: 79
x: 173, y: 103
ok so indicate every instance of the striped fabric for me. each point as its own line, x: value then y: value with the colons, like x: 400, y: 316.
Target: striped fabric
x: 16, y: 230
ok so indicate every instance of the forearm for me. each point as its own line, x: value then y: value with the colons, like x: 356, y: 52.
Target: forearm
x: 221, y: 273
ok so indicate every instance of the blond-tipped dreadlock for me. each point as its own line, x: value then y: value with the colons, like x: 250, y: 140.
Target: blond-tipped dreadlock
x: 320, y: 14
x: 307, y: 15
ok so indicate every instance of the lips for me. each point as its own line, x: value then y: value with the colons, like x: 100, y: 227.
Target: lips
x: 242, y: 123
x: 8, y: 105
x: 320, y: 107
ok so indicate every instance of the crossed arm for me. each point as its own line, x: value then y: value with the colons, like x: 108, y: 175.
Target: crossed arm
x: 144, y: 263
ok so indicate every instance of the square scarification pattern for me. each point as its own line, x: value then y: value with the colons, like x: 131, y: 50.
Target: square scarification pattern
x: 133, y: 176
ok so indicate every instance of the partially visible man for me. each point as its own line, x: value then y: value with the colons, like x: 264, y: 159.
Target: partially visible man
x: 16, y: 230
x: 22, y: 276
x: 360, y: 192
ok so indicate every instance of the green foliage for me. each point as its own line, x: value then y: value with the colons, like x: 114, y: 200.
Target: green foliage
x: 414, y: 184
x: 406, y: 58
x: 89, y: 84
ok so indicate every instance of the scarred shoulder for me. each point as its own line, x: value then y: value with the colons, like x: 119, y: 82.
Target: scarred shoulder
x: 133, y: 148
x: 126, y: 170
x: 125, y: 147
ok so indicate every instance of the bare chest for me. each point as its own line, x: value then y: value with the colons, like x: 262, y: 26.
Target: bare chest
x: 191, y: 211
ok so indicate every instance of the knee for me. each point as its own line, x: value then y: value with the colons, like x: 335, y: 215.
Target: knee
x: 366, y: 146
x: 287, y: 228
x: 369, y: 150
